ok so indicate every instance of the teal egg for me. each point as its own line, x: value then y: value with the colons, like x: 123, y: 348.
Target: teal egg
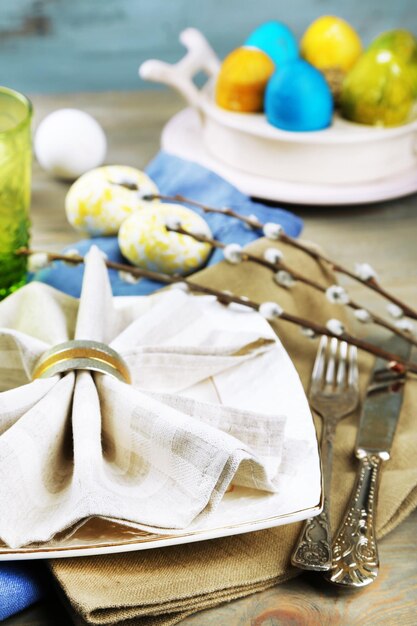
x: 276, y: 40
x: 298, y: 98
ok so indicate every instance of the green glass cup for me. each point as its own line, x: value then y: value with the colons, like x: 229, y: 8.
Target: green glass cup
x: 15, y: 179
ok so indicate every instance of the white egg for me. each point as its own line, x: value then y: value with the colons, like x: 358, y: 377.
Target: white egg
x: 145, y: 241
x: 69, y: 142
x: 100, y: 200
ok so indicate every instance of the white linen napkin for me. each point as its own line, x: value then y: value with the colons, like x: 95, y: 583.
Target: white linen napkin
x: 161, y: 452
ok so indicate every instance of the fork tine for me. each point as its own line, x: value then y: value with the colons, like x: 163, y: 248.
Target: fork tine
x: 353, y: 376
x: 341, y: 369
x: 318, y: 367
x: 331, y: 364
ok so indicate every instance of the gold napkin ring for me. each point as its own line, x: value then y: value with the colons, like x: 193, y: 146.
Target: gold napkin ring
x: 81, y: 355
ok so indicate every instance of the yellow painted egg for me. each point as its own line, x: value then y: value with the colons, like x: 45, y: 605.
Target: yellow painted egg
x: 331, y: 43
x: 100, y: 200
x: 242, y: 80
x: 145, y: 241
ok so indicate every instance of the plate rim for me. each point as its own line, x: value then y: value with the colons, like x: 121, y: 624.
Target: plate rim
x: 194, y: 536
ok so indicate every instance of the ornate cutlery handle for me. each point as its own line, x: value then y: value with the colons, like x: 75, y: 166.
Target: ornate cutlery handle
x: 355, y: 554
x: 313, y: 550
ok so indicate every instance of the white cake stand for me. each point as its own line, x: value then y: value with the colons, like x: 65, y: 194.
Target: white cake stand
x: 182, y: 136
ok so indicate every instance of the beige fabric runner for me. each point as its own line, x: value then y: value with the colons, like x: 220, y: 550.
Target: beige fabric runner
x: 161, y: 587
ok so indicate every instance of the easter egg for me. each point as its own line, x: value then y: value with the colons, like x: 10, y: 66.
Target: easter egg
x: 404, y: 45
x: 276, y: 40
x: 334, y: 78
x: 330, y: 42
x: 99, y: 201
x: 68, y: 143
x: 145, y: 241
x: 242, y: 80
x: 298, y: 98
x: 378, y: 90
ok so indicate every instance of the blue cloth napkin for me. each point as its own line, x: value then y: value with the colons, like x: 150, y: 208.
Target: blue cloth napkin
x: 178, y: 176
x: 21, y: 584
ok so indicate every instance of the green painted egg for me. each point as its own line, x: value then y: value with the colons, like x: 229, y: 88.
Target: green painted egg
x: 404, y: 45
x: 378, y: 90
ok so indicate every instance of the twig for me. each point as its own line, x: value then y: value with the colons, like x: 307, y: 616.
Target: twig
x: 249, y: 221
x: 281, y: 265
x: 315, y: 254
x: 372, y: 283
x: 227, y: 298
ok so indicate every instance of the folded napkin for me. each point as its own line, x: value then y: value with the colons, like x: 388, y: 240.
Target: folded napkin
x: 178, y: 176
x: 161, y: 587
x: 160, y: 452
x: 173, y: 175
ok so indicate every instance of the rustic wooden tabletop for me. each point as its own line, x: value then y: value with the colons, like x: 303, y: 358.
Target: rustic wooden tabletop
x: 384, y: 234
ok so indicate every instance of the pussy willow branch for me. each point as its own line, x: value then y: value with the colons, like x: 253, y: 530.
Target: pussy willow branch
x: 249, y: 221
x: 227, y: 298
x: 281, y: 265
x: 315, y: 254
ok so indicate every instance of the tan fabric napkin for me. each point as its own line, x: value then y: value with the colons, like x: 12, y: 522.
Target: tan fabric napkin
x: 161, y: 587
x: 159, y: 453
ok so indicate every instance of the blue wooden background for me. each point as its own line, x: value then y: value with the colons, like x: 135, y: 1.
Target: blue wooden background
x: 89, y: 45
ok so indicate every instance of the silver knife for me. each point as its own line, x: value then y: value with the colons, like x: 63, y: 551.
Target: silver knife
x: 355, y: 561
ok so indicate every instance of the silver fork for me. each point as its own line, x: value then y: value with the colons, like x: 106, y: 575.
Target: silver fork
x: 333, y: 395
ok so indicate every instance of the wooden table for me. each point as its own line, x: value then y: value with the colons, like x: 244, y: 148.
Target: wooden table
x: 385, y: 235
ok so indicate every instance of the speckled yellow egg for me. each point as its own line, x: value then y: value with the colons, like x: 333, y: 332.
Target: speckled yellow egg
x: 145, y: 241
x: 100, y: 200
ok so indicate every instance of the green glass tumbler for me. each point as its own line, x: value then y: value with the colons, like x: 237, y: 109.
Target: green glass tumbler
x: 15, y: 179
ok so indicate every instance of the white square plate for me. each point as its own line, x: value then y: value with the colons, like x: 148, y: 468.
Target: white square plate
x: 242, y: 510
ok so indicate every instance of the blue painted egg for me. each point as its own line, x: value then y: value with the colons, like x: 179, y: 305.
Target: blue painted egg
x: 298, y: 98
x: 276, y: 40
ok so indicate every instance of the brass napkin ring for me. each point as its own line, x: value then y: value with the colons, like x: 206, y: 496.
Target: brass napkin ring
x: 81, y: 355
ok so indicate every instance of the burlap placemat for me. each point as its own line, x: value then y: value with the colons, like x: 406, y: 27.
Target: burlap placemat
x: 161, y: 587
